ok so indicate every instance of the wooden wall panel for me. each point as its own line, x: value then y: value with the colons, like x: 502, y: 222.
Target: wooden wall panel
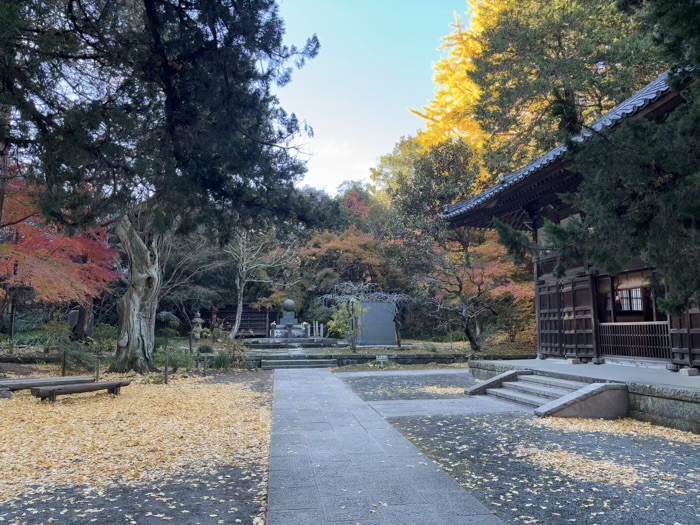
x: 549, y: 326
x: 685, y: 338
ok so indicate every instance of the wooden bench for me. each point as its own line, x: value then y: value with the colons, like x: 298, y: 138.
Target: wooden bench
x: 26, y: 384
x: 51, y: 392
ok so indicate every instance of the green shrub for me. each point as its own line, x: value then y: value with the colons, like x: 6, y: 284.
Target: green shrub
x: 177, y: 360
x: 205, y: 349
x: 169, y: 319
x: 46, y: 334
x: 221, y: 361
x: 104, y: 337
x: 168, y: 333
x: 206, y: 333
x: 160, y: 342
x: 320, y: 312
x: 77, y: 355
x: 30, y: 320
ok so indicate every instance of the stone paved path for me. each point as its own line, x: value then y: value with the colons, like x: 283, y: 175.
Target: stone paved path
x: 335, y: 460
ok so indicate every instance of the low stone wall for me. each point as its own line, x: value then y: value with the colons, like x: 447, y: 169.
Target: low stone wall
x: 665, y: 405
x: 401, y: 359
x: 359, y: 359
x: 486, y: 371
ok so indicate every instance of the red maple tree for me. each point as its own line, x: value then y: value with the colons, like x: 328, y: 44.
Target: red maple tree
x: 38, y: 256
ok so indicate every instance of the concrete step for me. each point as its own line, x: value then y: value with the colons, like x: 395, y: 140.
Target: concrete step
x: 517, y: 396
x: 552, y: 382
x: 271, y: 364
x: 536, y: 389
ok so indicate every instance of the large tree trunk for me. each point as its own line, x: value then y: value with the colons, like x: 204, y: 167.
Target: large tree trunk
x: 479, y: 323
x: 137, y: 308
x: 473, y: 341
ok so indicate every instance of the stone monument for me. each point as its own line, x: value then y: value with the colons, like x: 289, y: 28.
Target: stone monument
x: 289, y: 326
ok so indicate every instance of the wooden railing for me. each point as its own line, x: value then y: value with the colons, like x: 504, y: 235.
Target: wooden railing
x: 649, y: 340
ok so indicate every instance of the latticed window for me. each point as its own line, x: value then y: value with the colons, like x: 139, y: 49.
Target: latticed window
x: 630, y: 300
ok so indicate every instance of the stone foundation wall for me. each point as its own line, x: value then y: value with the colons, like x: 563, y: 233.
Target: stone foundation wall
x: 665, y: 405
x: 658, y: 404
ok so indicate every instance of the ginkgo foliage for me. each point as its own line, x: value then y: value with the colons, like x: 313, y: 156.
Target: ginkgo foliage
x: 525, y: 74
x: 40, y: 257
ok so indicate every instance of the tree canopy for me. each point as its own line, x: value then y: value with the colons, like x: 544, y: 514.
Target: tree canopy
x: 120, y: 102
x: 526, y: 74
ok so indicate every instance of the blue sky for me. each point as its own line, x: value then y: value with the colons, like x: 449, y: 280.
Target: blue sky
x: 376, y: 62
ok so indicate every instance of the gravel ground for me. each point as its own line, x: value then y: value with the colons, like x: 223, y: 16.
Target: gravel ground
x: 229, y: 495
x: 385, y: 387
x: 224, y: 497
x: 582, y: 477
x: 531, y: 474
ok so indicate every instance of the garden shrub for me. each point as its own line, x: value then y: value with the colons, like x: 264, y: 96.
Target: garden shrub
x: 30, y: 320
x: 177, y: 360
x: 236, y: 352
x: 77, y: 355
x: 160, y: 342
x: 168, y: 333
x: 169, y: 319
x: 104, y: 337
x: 205, y: 349
x: 221, y: 361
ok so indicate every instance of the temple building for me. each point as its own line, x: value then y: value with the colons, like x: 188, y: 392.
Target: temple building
x: 588, y: 314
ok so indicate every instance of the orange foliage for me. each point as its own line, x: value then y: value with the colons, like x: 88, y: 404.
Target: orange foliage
x: 483, y: 270
x: 39, y: 256
x: 352, y: 255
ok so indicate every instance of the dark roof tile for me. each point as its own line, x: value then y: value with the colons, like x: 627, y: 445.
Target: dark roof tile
x: 648, y: 94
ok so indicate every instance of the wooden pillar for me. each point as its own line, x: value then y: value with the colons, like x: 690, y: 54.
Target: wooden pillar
x: 593, y: 291
x: 612, y: 298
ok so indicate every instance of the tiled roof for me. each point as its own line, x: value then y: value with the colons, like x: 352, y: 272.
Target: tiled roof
x: 647, y: 95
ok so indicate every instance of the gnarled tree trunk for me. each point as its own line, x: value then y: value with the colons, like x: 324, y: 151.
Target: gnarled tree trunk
x: 473, y: 340
x: 138, y: 307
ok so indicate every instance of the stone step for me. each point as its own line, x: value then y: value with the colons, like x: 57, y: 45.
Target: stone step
x: 271, y: 364
x: 537, y: 389
x: 517, y: 397
x: 553, y: 382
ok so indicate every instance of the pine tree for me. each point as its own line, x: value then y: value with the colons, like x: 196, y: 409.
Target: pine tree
x: 157, y: 113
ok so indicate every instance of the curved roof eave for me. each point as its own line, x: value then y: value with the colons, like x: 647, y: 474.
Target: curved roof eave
x: 630, y: 107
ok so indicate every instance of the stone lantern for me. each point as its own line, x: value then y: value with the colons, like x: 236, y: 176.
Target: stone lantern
x: 197, y: 327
